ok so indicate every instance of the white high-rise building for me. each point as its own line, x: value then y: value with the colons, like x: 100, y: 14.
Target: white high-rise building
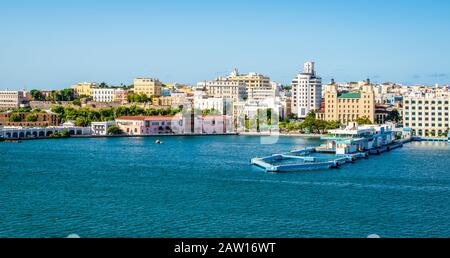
x: 306, y: 91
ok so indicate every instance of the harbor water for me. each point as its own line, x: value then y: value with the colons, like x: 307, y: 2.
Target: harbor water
x: 206, y: 187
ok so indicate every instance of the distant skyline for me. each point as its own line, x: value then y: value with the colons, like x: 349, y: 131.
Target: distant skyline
x: 53, y: 44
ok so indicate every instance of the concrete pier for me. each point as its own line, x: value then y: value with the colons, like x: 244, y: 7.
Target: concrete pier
x: 306, y: 162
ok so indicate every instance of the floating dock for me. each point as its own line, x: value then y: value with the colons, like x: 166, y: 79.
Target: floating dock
x: 314, y: 159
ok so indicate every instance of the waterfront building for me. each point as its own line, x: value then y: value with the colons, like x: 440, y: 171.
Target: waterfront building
x: 104, y: 94
x: 224, y: 88
x: 84, y: 88
x: 217, y: 124
x: 427, y: 114
x: 151, y: 125
x: 306, y: 91
x: 19, y: 132
x: 254, y: 111
x: 147, y: 86
x: 356, y: 138
x: 101, y: 128
x: 348, y: 106
x: 160, y: 125
x: 11, y: 99
x: 42, y: 119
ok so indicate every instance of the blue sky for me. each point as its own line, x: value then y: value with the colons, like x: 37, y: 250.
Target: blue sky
x: 54, y: 44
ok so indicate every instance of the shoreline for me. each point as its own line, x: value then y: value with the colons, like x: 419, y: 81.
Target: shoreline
x: 316, y: 136
x: 162, y: 135
x: 110, y: 136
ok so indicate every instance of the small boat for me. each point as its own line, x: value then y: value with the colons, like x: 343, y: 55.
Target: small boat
x: 12, y: 141
x: 158, y: 142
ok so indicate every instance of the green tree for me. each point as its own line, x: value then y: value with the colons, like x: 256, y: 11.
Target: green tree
x: 211, y: 112
x: 247, y: 123
x: 77, y: 102
x: 15, y: 117
x: 37, y: 95
x: 309, y: 123
x: 65, y: 134
x: 333, y: 125
x: 364, y: 120
x: 81, y: 121
x: 287, y: 87
x: 54, y: 135
x: 394, y: 116
x: 31, y: 117
x: 114, y: 130
x: 67, y: 95
x: 138, y: 98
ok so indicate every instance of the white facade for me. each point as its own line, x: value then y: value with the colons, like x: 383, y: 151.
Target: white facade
x: 306, y: 91
x: 103, y: 95
x: 11, y: 98
x: 269, y: 91
x: 251, y: 108
x: 224, y: 88
x: 427, y: 115
x: 101, y: 128
x: 202, y: 102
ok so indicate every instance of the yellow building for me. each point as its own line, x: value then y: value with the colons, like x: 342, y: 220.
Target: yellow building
x: 162, y: 101
x: 187, y: 90
x: 147, y: 86
x: 253, y: 81
x: 348, y: 106
x: 84, y: 88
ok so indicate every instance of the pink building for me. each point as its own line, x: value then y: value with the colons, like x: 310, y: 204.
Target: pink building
x: 151, y: 125
x: 155, y: 125
x: 216, y: 124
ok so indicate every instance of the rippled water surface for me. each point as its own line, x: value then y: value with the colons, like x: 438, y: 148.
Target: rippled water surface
x: 205, y: 187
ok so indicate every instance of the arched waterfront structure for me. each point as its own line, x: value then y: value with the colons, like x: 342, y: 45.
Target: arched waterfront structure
x: 26, y: 132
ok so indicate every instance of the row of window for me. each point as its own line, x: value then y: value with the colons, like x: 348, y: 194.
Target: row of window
x: 426, y: 119
x: 426, y: 108
x: 432, y: 102
x: 426, y: 113
x: 426, y: 125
